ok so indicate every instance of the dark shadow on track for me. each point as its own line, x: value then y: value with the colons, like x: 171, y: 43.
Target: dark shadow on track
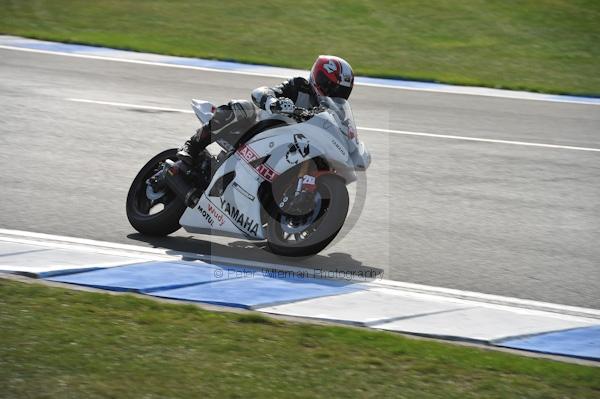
x: 335, y: 265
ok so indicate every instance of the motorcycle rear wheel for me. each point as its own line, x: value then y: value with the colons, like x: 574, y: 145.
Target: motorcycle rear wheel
x: 140, y: 208
x: 332, y: 209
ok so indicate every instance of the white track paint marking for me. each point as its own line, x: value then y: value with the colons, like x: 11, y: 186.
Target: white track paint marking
x: 131, y: 61
x: 446, y: 136
x: 447, y: 89
x: 126, y: 105
x: 371, y: 129
x: 64, y: 242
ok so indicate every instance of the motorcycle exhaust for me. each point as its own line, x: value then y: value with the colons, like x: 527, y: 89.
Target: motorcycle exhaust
x: 174, y: 179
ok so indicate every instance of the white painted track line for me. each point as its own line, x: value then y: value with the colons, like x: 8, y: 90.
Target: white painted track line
x: 57, y: 241
x: 389, y: 131
x: 161, y: 64
x: 284, y: 73
x: 126, y: 105
x: 483, y: 140
x: 142, y: 62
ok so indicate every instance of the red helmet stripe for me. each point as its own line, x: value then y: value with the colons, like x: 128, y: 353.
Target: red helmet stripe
x: 329, y: 73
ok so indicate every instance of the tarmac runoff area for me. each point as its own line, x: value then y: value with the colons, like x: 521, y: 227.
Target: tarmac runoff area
x: 359, y: 300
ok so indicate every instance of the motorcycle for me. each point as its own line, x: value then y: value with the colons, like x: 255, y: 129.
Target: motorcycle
x: 284, y: 181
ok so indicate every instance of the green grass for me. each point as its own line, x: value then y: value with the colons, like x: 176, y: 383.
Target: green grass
x: 57, y: 343
x: 541, y: 45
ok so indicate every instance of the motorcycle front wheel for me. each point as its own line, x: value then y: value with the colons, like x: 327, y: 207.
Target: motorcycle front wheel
x: 150, y: 212
x: 290, y: 235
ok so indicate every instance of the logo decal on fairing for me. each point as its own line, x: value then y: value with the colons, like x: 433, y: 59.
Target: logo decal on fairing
x: 206, y: 216
x: 212, y: 214
x: 298, y: 150
x: 266, y: 172
x: 244, y: 222
x: 249, y: 155
x: 219, y: 217
x: 338, y: 146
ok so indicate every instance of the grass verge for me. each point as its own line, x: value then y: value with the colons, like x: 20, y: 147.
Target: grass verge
x: 60, y: 343
x: 539, y: 45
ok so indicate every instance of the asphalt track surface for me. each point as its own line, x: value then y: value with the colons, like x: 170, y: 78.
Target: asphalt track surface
x: 497, y: 218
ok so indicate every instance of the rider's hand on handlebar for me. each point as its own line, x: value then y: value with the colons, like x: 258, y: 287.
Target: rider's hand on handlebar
x: 282, y: 106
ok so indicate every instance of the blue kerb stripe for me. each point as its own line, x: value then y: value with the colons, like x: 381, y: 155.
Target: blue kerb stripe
x: 62, y: 47
x: 264, y: 69
x: 212, y: 64
x: 149, y: 276
x: 259, y: 291
x: 579, y: 342
x: 198, y: 281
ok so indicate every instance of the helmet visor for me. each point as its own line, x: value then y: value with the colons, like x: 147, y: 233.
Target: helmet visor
x: 341, y: 91
x: 330, y: 88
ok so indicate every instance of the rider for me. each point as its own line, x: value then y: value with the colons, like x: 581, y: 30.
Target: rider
x: 330, y: 76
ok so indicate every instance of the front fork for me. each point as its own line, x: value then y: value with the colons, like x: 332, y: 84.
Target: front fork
x: 306, y: 181
x: 303, y: 197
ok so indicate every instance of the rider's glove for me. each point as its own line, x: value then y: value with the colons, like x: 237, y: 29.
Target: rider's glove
x: 280, y: 105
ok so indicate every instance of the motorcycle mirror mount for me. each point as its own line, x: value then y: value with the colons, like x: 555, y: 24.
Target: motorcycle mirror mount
x: 204, y: 110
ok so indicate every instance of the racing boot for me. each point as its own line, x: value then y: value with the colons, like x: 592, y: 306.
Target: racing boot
x: 190, y: 150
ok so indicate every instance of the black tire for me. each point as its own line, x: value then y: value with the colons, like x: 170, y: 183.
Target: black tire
x: 335, y: 203
x: 164, y: 222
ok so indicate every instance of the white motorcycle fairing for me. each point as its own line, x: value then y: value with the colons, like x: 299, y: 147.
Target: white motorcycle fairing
x: 231, y: 205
